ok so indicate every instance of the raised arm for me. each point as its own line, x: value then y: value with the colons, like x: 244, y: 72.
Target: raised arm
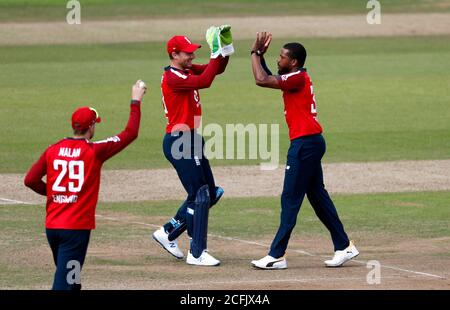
x: 264, y: 66
x: 198, y: 69
x: 260, y: 46
x: 223, y: 64
x: 204, y: 80
x: 107, y: 148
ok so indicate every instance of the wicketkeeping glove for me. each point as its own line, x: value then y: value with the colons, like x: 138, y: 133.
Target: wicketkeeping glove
x: 220, y: 40
x: 226, y: 40
x: 213, y: 39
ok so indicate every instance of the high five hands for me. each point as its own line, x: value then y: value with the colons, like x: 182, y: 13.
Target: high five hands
x: 262, y: 42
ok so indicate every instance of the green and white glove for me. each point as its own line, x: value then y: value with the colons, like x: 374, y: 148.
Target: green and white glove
x: 213, y: 39
x: 226, y: 40
x: 220, y: 40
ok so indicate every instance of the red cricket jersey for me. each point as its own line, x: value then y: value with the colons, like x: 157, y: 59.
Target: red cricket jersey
x: 299, y: 104
x: 180, y: 96
x: 73, y: 170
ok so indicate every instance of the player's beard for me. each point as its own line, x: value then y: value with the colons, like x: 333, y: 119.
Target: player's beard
x: 283, y: 70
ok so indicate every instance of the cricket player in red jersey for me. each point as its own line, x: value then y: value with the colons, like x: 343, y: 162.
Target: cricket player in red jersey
x: 73, y: 167
x: 183, y: 148
x: 303, y: 174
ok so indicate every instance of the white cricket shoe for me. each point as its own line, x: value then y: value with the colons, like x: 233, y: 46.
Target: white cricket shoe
x: 205, y: 259
x: 340, y: 257
x: 269, y: 262
x: 162, y: 238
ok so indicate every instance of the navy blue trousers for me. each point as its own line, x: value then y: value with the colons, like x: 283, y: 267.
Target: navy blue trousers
x: 184, y: 150
x: 303, y: 175
x: 69, y: 249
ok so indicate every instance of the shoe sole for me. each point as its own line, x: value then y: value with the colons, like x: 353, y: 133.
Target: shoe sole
x: 334, y: 266
x: 203, y: 265
x: 154, y: 238
x: 269, y: 268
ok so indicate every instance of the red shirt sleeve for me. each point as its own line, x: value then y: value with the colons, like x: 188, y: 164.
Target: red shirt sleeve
x: 291, y: 81
x: 33, y: 179
x: 223, y: 64
x: 198, y: 69
x: 109, y: 147
x: 183, y: 82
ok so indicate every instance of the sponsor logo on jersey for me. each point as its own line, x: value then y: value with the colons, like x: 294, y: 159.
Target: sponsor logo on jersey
x: 65, y: 198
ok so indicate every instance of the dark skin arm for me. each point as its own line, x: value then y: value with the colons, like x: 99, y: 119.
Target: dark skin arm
x: 262, y: 79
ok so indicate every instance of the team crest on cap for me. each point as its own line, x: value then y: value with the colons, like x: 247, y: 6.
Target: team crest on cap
x: 187, y: 40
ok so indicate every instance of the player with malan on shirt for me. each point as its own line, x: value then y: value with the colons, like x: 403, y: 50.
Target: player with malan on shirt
x: 73, y: 167
x: 303, y: 174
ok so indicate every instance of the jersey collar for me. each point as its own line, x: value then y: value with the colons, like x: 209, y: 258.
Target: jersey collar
x: 170, y: 67
x: 72, y: 138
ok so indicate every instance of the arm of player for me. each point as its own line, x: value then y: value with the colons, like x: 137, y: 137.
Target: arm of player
x: 223, y: 64
x: 107, y: 148
x: 198, y: 69
x: 33, y: 179
x: 264, y: 66
x: 262, y: 78
x: 188, y: 82
x: 261, y: 73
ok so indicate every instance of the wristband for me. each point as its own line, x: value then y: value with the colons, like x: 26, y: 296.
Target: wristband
x: 257, y: 52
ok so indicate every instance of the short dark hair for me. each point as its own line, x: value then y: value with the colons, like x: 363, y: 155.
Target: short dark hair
x: 80, y: 132
x: 296, y: 51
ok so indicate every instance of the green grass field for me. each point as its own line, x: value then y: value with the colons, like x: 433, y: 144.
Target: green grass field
x: 378, y: 98
x: 45, y: 10
x: 383, y: 216
x: 421, y: 215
